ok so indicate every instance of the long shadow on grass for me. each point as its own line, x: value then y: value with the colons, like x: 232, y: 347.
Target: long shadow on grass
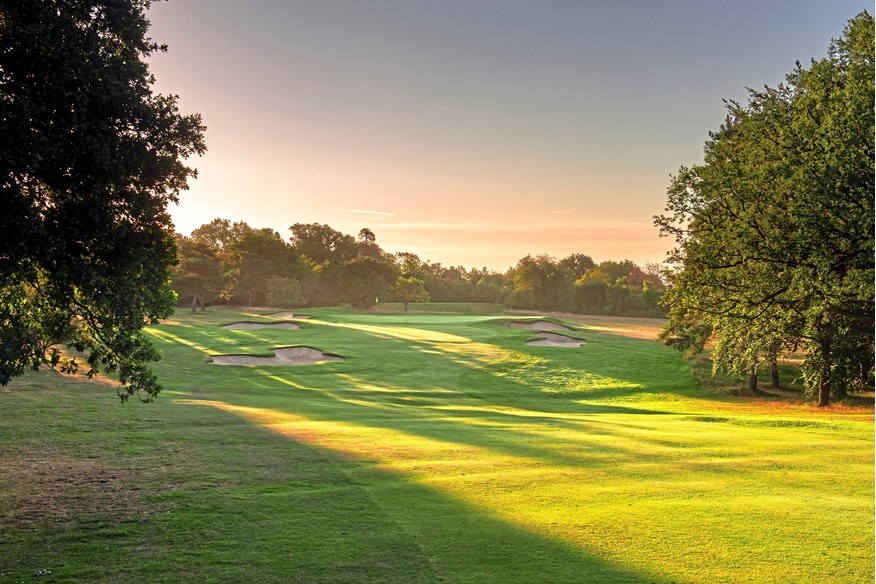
x: 459, y: 395
x: 415, y: 533
x: 457, y: 388
x: 488, y: 399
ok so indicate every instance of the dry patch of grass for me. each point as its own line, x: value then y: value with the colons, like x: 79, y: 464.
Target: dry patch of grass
x: 50, y: 487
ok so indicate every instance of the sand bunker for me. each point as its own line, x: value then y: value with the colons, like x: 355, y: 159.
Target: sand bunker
x: 538, y: 325
x: 281, y: 356
x: 287, y: 315
x: 547, y: 339
x: 258, y: 325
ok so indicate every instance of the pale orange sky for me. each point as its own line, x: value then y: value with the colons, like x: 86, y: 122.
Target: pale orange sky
x: 471, y: 133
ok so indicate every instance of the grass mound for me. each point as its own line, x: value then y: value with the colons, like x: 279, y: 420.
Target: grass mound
x: 538, y: 325
x: 249, y: 325
x: 281, y: 356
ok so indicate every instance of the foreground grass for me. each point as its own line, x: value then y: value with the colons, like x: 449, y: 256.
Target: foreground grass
x: 442, y: 449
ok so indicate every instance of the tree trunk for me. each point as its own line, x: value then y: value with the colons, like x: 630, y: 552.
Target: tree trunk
x: 824, y: 391
x: 752, y: 381
x: 195, y: 302
x: 406, y: 305
x: 774, y: 373
x: 824, y: 380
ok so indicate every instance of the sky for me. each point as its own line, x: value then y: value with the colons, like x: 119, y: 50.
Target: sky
x: 469, y: 132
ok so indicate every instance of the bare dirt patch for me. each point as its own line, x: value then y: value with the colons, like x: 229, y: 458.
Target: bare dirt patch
x: 260, y: 325
x: 281, y: 356
x: 538, y: 325
x: 547, y: 339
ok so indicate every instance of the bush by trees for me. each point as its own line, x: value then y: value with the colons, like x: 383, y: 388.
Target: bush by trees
x: 284, y: 293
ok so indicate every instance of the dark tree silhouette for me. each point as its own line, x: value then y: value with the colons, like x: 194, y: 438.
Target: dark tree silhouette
x: 90, y: 158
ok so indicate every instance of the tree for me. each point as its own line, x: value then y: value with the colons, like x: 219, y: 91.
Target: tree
x: 219, y: 234
x: 488, y: 287
x: 409, y: 289
x: 410, y: 285
x: 90, y: 158
x: 257, y: 256
x: 284, y: 293
x: 774, y: 230
x: 320, y: 243
x: 367, y: 236
x: 199, y: 272
x: 575, y: 266
x: 541, y: 278
x: 363, y: 280
x: 367, y: 244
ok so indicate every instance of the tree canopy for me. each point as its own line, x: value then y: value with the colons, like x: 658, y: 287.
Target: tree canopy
x: 774, y: 231
x: 323, y: 244
x: 90, y: 158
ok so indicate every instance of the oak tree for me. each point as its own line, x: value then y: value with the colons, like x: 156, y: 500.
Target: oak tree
x: 774, y: 230
x: 90, y: 158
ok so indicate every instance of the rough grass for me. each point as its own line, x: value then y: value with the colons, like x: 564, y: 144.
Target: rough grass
x: 442, y: 449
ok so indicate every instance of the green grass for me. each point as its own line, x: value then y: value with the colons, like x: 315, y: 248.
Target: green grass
x: 442, y: 449
x: 452, y: 307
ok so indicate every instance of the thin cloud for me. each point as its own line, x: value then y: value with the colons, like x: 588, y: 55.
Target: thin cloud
x: 381, y: 213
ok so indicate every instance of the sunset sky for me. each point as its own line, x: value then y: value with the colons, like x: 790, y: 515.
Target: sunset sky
x: 469, y: 132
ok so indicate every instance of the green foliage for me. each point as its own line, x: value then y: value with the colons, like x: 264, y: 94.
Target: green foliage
x: 198, y: 277
x: 284, y: 293
x: 259, y: 254
x: 320, y: 243
x: 618, y: 288
x: 542, y: 279
x: 320, y: 257
x: 90, y: 158
x: 575, y: 266
x: 775, y: 228
x: 410, y: 289
x: 219, y: 234
x: 687, y: 336
x: 362, y: 281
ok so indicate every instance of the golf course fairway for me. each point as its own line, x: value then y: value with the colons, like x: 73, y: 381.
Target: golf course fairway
x: 435, y: 448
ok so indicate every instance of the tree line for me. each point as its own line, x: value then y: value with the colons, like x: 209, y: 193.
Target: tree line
x: 233, y: 263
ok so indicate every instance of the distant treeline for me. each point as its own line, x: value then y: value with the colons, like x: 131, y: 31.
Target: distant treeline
x: 233, y: 263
